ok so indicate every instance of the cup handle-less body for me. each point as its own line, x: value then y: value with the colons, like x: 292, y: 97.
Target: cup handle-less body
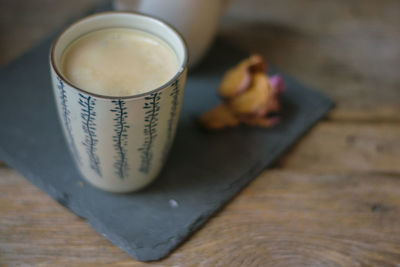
x: 119, y: 144
x: 197, y: 20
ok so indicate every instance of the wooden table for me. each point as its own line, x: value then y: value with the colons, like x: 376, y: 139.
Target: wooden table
x: 334, y: 199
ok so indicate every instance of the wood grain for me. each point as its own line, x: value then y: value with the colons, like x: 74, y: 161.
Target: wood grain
x: 348, y: 49
x: 343, y: 146
x: 332, y: 200
x: 283, y: 218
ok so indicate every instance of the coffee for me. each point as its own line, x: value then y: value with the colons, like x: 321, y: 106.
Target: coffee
x: 119, y: 62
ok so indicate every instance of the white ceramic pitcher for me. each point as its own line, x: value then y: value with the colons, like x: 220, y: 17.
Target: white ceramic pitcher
x: 196, y: 20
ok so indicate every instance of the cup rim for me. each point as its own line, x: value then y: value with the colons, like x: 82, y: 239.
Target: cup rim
x: 182, y: 68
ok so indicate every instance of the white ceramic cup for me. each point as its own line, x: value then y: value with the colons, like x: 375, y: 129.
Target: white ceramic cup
x: 197, y: 20
x: 119, y: 144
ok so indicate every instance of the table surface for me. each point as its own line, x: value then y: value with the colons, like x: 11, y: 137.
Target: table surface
x: 334, y: 199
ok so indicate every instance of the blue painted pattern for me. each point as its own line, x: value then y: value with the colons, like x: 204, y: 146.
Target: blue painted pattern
x: 120, y: 137
x: 152, y: 108
x: 65, y: 113
x: 89, y: 127
x: 172, y: 116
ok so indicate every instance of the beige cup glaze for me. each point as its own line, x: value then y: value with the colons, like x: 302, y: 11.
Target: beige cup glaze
x: 119, y: 144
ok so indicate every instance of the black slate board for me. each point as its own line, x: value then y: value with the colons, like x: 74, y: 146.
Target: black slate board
x: 204, y: 170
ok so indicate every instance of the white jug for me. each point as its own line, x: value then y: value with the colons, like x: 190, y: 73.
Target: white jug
x: 196, y: 20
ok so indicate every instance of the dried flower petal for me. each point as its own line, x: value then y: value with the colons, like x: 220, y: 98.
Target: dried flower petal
x: 277, y: 84
x: 235, y: 82
x: 249, y: 97
x: 239, y: 78
x: 218, y: 118
x: 256, y: 63
x: 254, y: 98
x: 277, y: 87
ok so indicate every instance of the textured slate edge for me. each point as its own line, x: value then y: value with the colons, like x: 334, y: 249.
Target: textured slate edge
x: 104, y: 5
x: 242, y: 182
x: 171, y: 243
x: 325, y: 105
x: 236, y: 186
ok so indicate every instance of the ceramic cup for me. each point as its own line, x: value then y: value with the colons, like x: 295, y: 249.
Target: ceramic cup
x: 119, y: 144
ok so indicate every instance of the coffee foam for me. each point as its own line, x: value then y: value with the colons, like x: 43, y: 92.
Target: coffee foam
x: 119, y: 62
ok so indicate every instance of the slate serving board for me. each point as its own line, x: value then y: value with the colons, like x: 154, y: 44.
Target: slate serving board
x: 203, y: 172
